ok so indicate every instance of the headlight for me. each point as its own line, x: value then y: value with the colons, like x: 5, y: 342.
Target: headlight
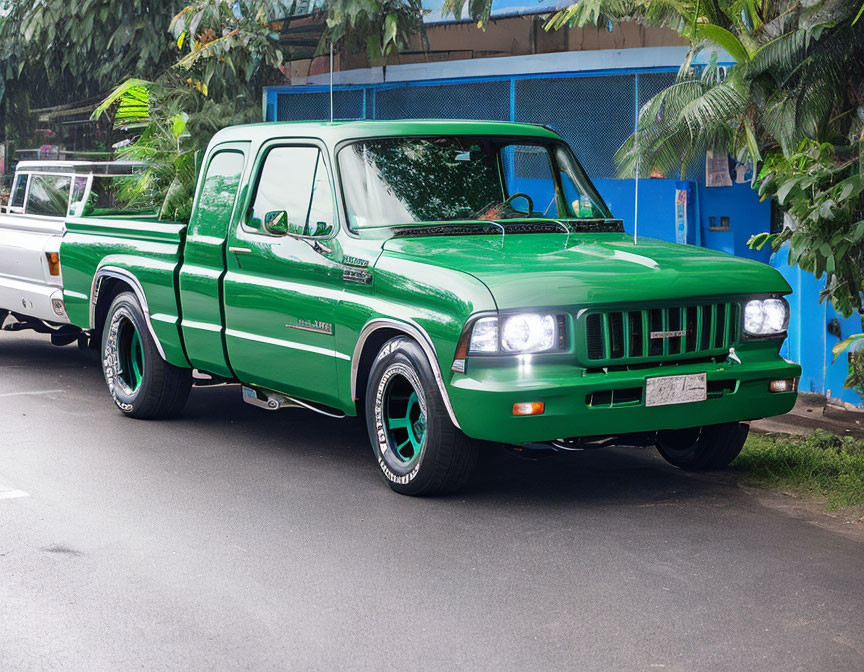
x: 521, y: 333
x: 766, y: 317
x: 528, y: 332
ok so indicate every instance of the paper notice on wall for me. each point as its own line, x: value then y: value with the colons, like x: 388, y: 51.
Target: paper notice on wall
x: 717, y: 170
x: 681, y: 216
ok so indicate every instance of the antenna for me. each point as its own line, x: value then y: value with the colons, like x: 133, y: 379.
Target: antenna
x: 636, y: 197
x: 331, y: 81
x: 638, y: 161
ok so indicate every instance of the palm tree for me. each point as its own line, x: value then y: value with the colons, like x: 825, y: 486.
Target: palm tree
x: 798, y: 75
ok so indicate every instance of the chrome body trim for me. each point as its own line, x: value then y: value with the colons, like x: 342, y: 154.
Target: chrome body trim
x: 416, y: 332
x: 128, y: 277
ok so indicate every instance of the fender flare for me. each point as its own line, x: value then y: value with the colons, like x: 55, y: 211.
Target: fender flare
x: 129, y: 278
x: 420, y: 335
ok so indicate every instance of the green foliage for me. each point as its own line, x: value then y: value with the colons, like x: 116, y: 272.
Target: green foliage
x: 71, y: 50
x: 226, y: 53
x: 820, y: 464
x: 855, y: 379
x: 796, y: 76
x: 478, y: 10
x: 678, y: 125
x: 176, y: 128
x: 380, y: 27
x: 226, y: 44
x: 820, y: 189
x: 853, y: 341
x: 133, y: 99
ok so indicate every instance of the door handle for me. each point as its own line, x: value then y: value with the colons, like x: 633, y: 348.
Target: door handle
x: 240, y: 250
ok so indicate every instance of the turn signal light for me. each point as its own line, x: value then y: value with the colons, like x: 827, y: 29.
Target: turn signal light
x: 53, y: 263
x: 784, y: 385
x: 529, y: 408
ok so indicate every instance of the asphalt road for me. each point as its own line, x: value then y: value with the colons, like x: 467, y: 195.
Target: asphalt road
x: 236, y: 538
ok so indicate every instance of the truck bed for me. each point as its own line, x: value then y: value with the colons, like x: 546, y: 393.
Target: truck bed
x: 96, y: 251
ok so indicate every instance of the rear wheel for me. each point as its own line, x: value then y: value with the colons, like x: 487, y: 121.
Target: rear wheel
x: 418, y: 449
x: 703, y: 448
x: 142, y: 384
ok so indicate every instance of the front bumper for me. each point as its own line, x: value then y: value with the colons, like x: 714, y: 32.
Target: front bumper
x: 483, y: 398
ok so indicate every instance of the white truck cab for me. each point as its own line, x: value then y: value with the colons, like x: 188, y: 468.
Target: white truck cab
x: 44, y: 194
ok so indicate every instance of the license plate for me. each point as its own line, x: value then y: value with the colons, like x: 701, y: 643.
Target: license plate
x: 675, y: 390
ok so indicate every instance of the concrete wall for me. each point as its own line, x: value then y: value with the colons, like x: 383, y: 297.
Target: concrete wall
x: 511, y: 36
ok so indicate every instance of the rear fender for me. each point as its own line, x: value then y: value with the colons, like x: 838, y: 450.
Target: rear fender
x: 128, y: 278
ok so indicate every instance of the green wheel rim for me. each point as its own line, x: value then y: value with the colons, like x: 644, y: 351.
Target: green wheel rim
x: 405, y: 420
x: 131, y: 355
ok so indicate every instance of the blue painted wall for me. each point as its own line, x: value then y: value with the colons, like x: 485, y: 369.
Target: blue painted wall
x: 809, y: 342
x: 747, y: 215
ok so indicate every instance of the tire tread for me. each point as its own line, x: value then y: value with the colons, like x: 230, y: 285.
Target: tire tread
x: 451, y: 466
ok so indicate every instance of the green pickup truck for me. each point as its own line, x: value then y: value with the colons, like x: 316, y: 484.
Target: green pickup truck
x: 451, y: 282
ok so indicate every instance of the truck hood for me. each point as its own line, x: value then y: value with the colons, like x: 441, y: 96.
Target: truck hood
x: 558, y: 269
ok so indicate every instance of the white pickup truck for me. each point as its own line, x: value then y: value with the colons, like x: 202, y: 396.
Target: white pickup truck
x: 44, y: 194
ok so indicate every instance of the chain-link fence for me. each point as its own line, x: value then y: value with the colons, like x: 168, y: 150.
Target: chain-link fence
x: 594, y: 113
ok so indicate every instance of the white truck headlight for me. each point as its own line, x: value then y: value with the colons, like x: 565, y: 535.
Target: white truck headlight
x: 528, y: 332
x: 766, y: 317
x: 521, y: 333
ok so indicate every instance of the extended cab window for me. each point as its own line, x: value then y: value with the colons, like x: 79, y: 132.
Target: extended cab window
x: 49, y: 195
x: 218, y: 194
x: 294, y: 180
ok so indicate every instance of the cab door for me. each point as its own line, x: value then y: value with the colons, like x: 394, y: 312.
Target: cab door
x: 204, y: 258
x: 281, y: 291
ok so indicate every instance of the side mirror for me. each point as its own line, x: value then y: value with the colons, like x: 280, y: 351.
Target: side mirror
x: 276, y: 222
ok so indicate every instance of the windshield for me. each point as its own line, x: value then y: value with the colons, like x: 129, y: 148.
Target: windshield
x: 395, y: 181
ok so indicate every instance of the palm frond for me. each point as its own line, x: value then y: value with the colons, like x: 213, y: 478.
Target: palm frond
x: 133, y: 96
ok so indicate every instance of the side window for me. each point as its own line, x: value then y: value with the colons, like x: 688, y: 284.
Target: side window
x: 16, y: 200
x: 218, y: 194
x: 49, y: 195
x: 294, y: 179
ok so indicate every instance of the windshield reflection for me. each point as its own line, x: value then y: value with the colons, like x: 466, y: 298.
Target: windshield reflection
x: 398, y: 181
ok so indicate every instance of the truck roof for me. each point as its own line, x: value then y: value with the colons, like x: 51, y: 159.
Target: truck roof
x: 337, y: 131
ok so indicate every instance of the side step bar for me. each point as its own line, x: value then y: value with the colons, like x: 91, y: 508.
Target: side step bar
x: 273, y: 401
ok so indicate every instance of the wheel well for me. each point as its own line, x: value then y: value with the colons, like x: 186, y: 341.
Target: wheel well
x: 371, y: 348
x: 109, y: 288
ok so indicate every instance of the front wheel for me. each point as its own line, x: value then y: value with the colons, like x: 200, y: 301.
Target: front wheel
x: 142, y: 384
x: 703, y: 448
x: 418, y: 449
